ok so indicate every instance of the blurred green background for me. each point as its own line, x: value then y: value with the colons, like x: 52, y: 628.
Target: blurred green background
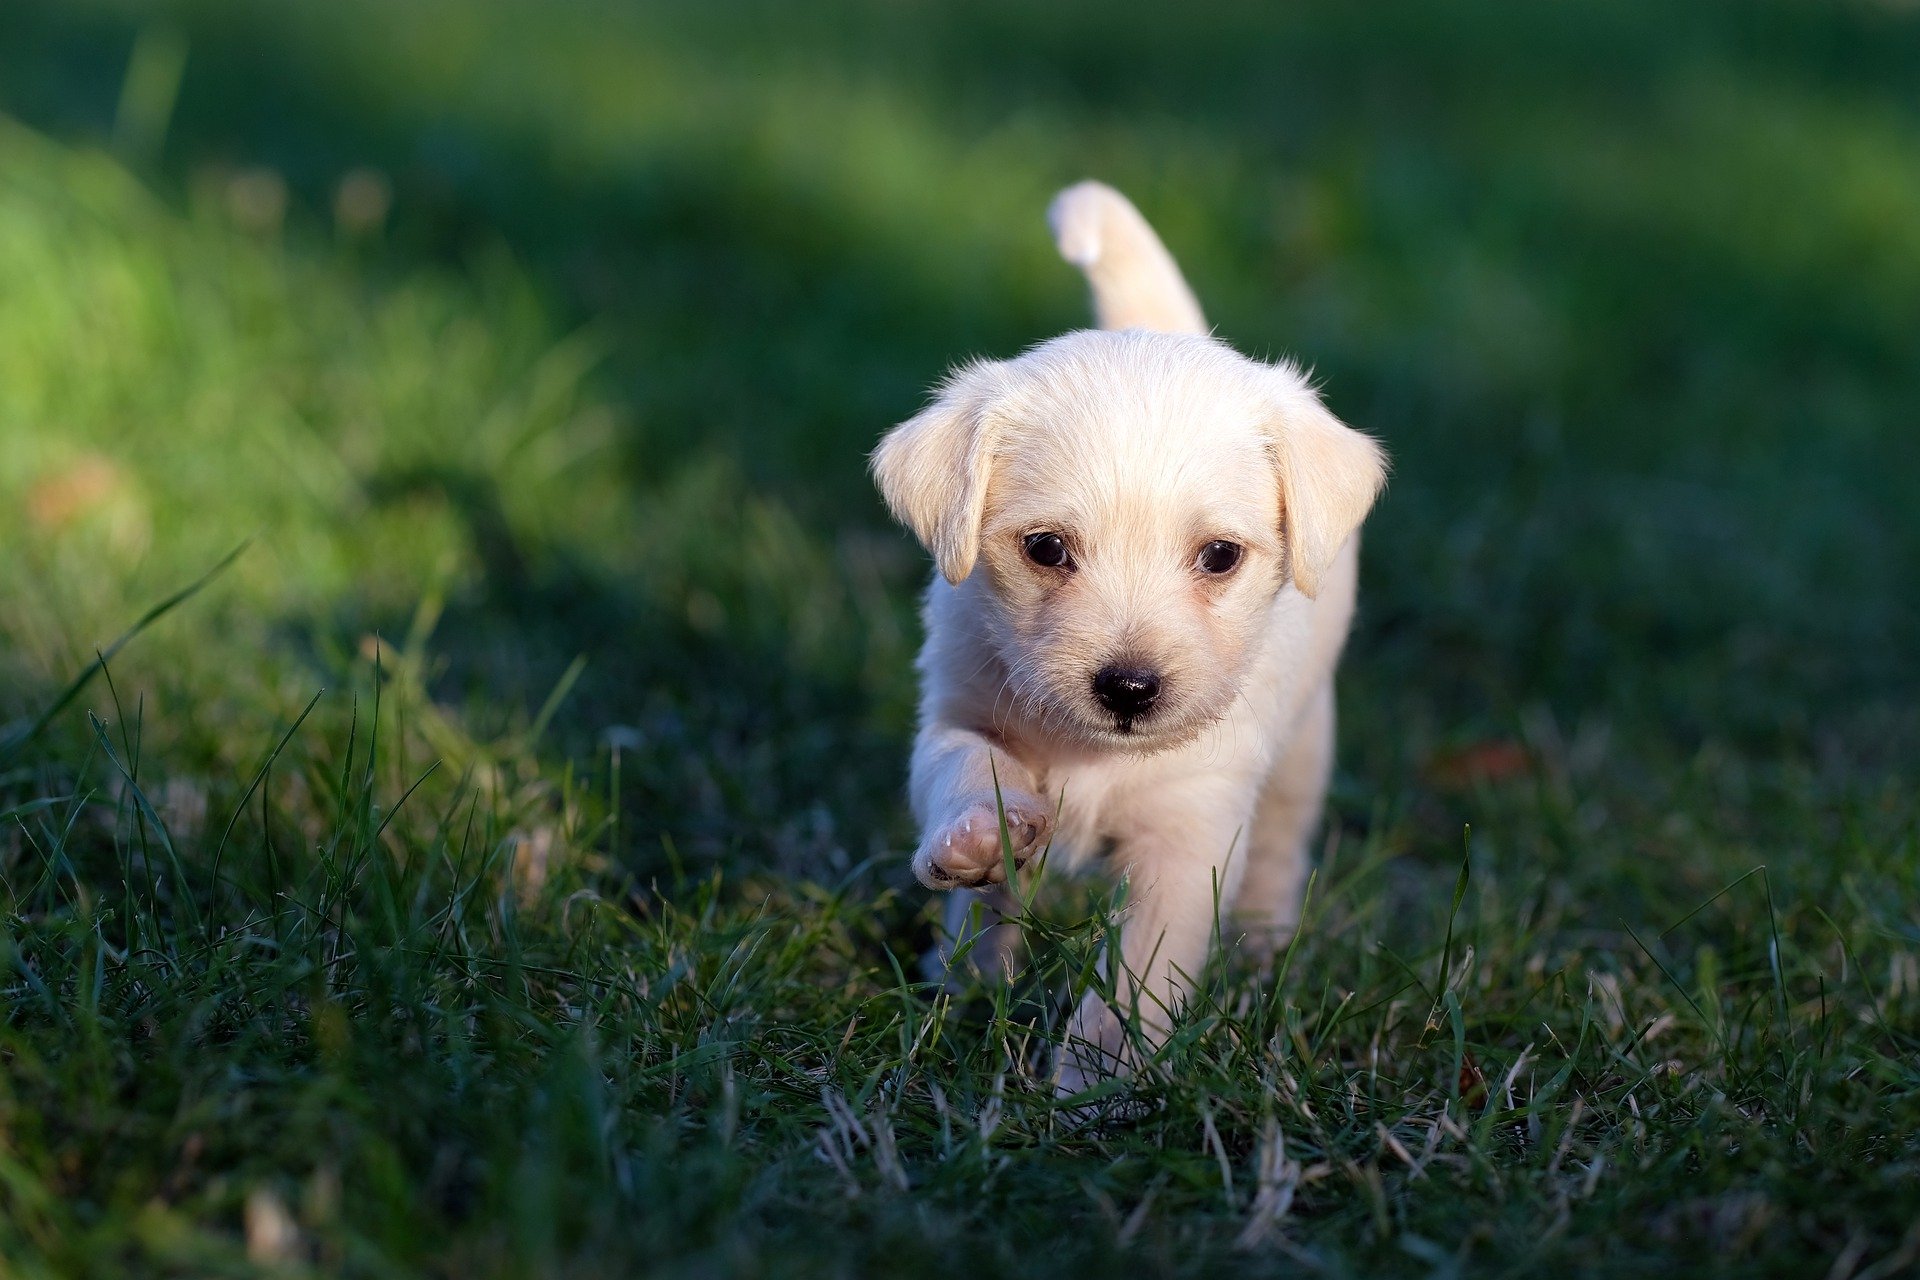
x: 520, y: 334
x: 1634, y: 309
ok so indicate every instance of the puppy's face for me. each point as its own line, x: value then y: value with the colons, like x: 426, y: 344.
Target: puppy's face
x: 1122, y: 509
x: 1130, y: 547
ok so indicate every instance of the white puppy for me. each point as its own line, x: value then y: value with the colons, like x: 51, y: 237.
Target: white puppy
x: 1147, y: 559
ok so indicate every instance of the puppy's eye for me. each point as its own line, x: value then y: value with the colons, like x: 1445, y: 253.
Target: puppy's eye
x: 1048, y: 550
x: 1219, y: 557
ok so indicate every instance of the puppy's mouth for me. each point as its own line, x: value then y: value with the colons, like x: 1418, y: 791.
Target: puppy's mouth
x: 1146, y: 728
x: 1145, y: 736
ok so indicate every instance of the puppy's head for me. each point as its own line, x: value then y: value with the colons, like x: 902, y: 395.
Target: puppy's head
x: 1122, y: 509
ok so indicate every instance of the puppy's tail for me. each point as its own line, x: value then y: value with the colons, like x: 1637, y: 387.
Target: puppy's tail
x: 1134, y: 280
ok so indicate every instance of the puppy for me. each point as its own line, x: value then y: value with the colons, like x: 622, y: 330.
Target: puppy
x: 1146, y: 550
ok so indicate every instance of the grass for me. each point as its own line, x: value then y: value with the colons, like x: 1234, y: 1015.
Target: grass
x: 498, y: 867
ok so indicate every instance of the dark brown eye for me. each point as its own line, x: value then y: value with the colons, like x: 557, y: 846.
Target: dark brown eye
x: 1048, y: 550
x: 1219, y: 557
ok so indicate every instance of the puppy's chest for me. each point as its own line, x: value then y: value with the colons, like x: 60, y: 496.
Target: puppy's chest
x: 1094, y: 820
x: 1083, y: 843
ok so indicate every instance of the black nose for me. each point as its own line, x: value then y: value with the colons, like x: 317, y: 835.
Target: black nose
x: 1126, y: 691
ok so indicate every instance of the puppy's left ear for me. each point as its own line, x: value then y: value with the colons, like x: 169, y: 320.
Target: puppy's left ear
x: 1330, y: 475
x: 933, y: 468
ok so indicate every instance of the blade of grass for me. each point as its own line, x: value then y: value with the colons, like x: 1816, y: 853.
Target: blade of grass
x: 20, y: 738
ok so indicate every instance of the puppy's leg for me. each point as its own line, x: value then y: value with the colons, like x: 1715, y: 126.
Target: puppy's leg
x: 980, y: 922
x: 1291, y: 803
x: 955, y: 772
x: 1182, y: 870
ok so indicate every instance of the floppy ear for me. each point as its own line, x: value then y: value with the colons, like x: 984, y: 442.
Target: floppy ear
x: 1329, y: 476
x: 933, y: 468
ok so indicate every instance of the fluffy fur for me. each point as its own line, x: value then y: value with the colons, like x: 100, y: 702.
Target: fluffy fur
x: 1138, y: 445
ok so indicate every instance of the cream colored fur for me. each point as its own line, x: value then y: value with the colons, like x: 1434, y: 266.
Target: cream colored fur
x: 1139, y: 444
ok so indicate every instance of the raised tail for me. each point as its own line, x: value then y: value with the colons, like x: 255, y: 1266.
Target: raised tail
x: 1134, y: 280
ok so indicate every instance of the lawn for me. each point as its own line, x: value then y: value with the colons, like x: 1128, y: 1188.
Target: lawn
x: 486, y: 854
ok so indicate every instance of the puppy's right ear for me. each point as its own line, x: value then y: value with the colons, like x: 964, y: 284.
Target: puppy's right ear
x: 933, y: 468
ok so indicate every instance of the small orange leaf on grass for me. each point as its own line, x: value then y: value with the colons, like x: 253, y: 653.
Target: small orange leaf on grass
x: 1473, y: 1085
x: 66, y: 495
x: 1491, y: 760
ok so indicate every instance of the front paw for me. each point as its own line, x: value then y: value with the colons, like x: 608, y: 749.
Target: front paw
x: 964, y: 851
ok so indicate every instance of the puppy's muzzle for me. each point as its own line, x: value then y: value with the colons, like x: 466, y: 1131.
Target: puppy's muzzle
x: 1128, y: 692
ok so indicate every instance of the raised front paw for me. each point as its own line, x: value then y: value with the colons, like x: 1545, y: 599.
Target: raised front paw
x: 964, y: 851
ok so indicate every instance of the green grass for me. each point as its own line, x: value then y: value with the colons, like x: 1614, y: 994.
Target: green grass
x: 499, y: 867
